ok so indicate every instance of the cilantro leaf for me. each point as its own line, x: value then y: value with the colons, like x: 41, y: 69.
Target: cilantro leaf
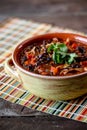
x: 72, y: 57
x: 50, y: 48
x: 62, y: 47
x: 54, y: 56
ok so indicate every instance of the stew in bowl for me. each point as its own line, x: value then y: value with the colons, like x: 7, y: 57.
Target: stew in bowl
x: 55, y: 57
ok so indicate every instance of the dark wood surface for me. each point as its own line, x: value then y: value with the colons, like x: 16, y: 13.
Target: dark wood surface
x: 64, y: 13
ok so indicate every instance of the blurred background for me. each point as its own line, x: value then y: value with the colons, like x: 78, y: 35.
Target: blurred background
x: 64, y: 13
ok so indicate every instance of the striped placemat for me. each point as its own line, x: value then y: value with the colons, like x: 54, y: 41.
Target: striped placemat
x: 12, y: 32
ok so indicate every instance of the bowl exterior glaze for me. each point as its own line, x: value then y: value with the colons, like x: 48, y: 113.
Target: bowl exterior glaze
x: 54, y: 89
x: 51, y: 87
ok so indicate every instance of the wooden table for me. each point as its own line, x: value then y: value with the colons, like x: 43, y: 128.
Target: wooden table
x: 64, y: 13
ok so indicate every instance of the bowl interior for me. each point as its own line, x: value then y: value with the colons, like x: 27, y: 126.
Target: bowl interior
x: 37, y: 39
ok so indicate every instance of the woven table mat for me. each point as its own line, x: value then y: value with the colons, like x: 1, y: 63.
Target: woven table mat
x: 12, y: 32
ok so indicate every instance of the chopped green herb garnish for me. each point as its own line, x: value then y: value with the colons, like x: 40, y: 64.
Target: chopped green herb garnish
x: 60, y: 53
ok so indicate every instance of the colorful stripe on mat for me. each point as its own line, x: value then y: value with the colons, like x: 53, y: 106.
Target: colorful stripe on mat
x: 13, y: 32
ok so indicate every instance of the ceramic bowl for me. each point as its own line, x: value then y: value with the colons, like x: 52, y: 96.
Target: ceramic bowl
x: 48, y: 87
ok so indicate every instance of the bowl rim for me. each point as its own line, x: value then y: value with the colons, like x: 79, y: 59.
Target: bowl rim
x: 14, y: 58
